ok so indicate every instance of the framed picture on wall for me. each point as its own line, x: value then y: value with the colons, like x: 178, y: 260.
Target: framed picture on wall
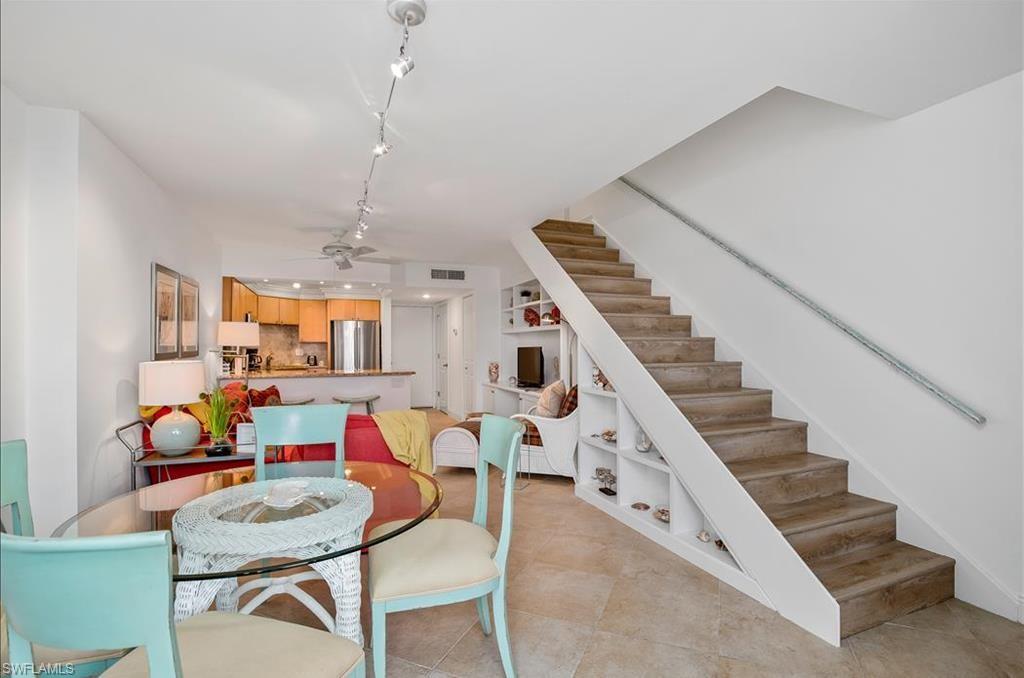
x: 166, y: 284
x: 188, y: 313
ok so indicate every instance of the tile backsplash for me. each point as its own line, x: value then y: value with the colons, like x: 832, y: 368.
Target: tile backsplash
x: 281, y: 342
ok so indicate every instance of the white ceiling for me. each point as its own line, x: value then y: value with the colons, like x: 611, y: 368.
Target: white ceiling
x: 258, y: 116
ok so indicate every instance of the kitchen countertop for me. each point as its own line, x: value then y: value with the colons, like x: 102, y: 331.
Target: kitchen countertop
x: 318, y: 373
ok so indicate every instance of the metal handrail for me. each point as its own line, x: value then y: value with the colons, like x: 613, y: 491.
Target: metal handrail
x: 882, y: 353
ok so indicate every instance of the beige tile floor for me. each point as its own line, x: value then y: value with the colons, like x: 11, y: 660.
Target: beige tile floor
x: 590, y: 597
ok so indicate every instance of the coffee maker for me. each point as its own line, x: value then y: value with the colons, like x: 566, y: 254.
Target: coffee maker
x: 255, y: 360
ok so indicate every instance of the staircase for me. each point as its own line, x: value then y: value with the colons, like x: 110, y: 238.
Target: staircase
x: 848, y: 541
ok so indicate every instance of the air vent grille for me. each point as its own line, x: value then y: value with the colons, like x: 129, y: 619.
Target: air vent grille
x: 447, y: 274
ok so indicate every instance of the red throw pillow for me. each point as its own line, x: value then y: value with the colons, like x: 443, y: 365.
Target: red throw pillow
x: 569, y: 403
x: 268, y: 397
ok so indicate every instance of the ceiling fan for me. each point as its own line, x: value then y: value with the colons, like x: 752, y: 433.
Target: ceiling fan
x: 340, y: 252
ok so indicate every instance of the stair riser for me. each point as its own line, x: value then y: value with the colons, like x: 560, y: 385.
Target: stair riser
x: 844, y: 537
x: 590, y: 253
x: 726, y: 409
x: 732, y: 447
x: 699, y: 350
x: 611, y: 304
x: 864, y: 612
x: 795, y: 487
x: 614, y: 285
x: 636, y: 326
x: 563, y: 238
x: 567, y: 226
x: 699, y: 377
x: 597, y: 268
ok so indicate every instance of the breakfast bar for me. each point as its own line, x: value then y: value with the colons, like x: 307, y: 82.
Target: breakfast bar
x: 323, y: 385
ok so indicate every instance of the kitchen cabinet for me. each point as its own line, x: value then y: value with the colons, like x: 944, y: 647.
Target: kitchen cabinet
x: 250, y: 304
x: 367, y: 309
x: 288, y: 311
x: 312, y: 320
x: 269, y: 310
x: 341, y: 309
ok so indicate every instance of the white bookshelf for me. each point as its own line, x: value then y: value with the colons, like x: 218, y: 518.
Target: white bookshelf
x: 642, y: 477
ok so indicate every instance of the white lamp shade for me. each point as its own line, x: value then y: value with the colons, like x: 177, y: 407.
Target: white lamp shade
x: 246, y: 335
x: 170, y: 382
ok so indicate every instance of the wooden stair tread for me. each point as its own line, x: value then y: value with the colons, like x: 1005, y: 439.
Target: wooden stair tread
x: 643, y: 315
x: 580, y: 247
x: 614, y: 278
x: 616, y: 295
x: 769, y: 467
x: 812, y: 514
x: 564, y: 225
x: 667, y: 338
x: 772, y: 424
x: 863, y: 571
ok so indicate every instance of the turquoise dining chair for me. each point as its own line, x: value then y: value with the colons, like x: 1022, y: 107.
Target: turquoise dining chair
x: 14, y: 486
x: 115, y: 591
x: 300, y: 425
x: 14, y: 493
x: 445, y: 561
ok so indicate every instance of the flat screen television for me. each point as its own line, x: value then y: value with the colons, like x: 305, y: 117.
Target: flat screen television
x: 531, y: 366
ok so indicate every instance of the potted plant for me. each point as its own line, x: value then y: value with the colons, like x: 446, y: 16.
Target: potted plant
x: 218, y: 424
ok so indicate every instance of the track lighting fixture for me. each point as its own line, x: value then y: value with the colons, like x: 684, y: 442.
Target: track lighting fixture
x: 407, y: 13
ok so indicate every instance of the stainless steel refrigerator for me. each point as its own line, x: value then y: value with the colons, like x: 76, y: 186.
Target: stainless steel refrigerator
x: 355, y: 345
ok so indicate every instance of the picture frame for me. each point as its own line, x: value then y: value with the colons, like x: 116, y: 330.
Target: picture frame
x: 175, y: 314
x: 188, y: 317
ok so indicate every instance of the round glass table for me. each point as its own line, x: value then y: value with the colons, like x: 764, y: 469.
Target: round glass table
x: 226, y: 530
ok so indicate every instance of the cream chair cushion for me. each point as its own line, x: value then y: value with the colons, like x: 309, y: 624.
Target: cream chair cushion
x: 224, y: 644
x: 435, y: 556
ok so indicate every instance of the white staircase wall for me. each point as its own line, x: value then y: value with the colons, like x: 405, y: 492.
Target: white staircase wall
x: 910, y: 230
x: 757, y: 546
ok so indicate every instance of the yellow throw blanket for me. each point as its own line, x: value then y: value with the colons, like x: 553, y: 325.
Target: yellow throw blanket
x: 407, y: 434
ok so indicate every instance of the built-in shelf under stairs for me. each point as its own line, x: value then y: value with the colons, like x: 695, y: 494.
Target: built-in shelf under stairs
x: 847, y: 540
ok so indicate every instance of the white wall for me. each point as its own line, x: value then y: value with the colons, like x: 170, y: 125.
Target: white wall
x: 81, y: 226
x: 125, y: 223
x: 14, y: 234
x: 908, y: 229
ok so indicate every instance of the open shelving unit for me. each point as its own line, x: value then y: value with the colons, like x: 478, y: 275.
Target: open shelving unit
x: 643, y: 477
x: 516, y: 299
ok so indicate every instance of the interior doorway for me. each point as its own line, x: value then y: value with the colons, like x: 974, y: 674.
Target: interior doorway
x: 441, y: 356
x: 469, y: 388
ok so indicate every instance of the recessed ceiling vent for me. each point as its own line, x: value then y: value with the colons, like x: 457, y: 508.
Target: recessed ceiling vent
x: 446, y: 274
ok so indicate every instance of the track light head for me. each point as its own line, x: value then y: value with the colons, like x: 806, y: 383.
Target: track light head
x: 364, y: 207
x: 382, y: 148
x: 359, y: 235
x: 401, y: 66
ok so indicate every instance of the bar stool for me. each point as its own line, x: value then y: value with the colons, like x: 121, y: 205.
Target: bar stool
x: 299, y: 401
x: 356, y: 400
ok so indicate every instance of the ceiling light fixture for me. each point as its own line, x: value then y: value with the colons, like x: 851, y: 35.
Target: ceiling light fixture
x: 266, y: 280
x: 347, y: 286
x: 297, y: 285
x: 321, y: 282
x: 408, y: 13
x: 426, y: 296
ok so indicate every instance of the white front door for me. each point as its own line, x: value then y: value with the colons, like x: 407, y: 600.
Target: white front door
x: 441, y: 355
x: 412, y: 348
x: 469, y: 386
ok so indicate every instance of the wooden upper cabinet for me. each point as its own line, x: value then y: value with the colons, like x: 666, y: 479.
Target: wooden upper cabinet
x: 289, y: 311
x: 367, y: 309
x: 269, y: 310
x: 341, y: 309
x: 250, y: 304
x: 237, y: 311
x: 313, y: 320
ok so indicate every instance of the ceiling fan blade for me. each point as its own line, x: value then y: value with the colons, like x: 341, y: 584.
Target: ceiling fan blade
x: 344, y: 264
x: 360, y: 251
x: 322, y: 229
x: 306, y: 259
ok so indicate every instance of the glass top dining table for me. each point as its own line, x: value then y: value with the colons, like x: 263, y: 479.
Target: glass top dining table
x: 401, y: 496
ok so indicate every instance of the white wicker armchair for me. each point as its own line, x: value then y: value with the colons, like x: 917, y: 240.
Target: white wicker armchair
x: 559, y: 438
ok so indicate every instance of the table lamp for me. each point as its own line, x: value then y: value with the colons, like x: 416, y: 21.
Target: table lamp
x: 174, y: 383
x: 240, y: 335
